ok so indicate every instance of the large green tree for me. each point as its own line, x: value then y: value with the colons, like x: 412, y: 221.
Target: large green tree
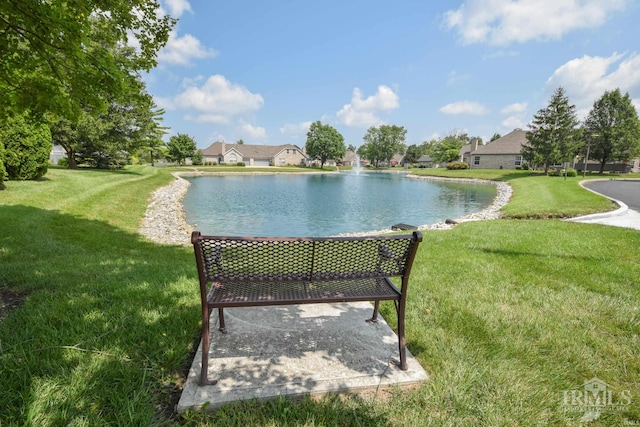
x: 612, y: 129
x: 27, y: 143
x: 324, y: 143
x: 412, y: 154
x: 59, y: 56
x: 448, y: 148
x: 180, y: 147
x: 553, y: 137
x: 106, y: 140
x: 383, y: 142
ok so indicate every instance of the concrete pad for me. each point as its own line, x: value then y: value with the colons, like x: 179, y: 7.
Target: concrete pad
x: 297, y: 350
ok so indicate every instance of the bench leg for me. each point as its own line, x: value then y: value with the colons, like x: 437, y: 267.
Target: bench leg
x: 206, y: 344
x: 374, y: 318
x: 401, y: 339
x: 222, y: 328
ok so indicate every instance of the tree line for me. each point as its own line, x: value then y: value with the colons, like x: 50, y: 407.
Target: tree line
x: 610, y: 132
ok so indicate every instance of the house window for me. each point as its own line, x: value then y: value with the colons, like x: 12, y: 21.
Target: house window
x: 282, y: 160
x: 233, y: 158
x: 518, y: 160
x: 476, y: 160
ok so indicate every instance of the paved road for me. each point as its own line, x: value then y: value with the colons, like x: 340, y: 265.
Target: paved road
x: 625, y: 190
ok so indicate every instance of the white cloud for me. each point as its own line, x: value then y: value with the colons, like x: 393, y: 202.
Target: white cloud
x: 586, y: 79
x: 250, y: 131
x: 177, y: 7
x: 181, y: 50
x: 364, y: 112
x: 500, y: 22
x: 516, y: 113
x: 295, y: 129
x: 216, y: 101
x: 514, y: 122
x: 518, y: 107
x: 465, y: 107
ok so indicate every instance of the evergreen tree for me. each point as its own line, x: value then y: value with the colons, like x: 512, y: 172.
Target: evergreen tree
x: 553, y: 137
x: 27, y: 143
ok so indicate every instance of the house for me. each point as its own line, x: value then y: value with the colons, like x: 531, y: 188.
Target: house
x: 254, y: 155
x: 502, y: 153
x: 57, y: 153
x: 425, y: 161
x: 349, y: 158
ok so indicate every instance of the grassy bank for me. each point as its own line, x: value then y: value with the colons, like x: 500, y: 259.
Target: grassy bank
x: 506, y: 316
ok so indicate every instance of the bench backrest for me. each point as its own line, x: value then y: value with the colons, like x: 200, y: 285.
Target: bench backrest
x: 276, y: 259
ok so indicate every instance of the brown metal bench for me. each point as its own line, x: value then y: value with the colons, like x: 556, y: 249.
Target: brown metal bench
x: 251, y: 271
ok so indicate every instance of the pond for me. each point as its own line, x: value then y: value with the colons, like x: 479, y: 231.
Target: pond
x: 325, y: 204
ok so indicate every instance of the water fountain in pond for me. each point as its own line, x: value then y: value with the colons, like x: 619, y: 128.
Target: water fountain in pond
x: 357, y: 168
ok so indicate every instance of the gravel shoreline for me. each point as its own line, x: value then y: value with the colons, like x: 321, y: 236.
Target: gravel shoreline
x: 165, y: 220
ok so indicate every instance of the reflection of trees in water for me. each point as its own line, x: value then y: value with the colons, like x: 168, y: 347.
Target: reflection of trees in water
x: 325, y: 204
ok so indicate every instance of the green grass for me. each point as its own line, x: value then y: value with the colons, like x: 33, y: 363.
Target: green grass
x: 504, y: 315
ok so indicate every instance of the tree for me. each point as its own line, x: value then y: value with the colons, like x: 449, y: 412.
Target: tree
x: 495, y: 136
x: 612, y: 129
x: 382, y: 143
x: 61, y: 59
x: 553, y: 137
x: 448, y: 148
x: 324, y: 143
x: 106, y: 140
x: 3, y: 171
x: 27, y: 143
x: 413, y: 154
x: 180, y: 147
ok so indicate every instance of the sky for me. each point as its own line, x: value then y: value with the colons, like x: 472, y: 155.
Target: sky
x: 263, y: 71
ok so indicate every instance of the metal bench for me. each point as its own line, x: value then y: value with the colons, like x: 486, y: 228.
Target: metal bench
x: 253, y: 271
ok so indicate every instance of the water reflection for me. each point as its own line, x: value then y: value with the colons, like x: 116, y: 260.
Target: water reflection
x: 325, y: 204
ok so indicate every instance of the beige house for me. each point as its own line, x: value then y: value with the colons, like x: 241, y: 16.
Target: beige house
x: 502, y: 153
x: 254, y: 155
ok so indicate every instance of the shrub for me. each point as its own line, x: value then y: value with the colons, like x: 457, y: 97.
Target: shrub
x: 196, y: 158
x: 572, y: 172
x: 27, y: 145
x: 554, y: 172
x: 240, y: 164
x: 64, y: 162
x: 457, y: 165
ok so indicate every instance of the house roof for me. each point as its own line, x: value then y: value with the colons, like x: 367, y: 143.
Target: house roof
x: 349, y: 156
x: 511, y: 143
x: 425, y: 158
x: 248, y: 150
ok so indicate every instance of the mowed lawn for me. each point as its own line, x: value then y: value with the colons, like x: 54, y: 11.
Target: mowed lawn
x: 509, y: 317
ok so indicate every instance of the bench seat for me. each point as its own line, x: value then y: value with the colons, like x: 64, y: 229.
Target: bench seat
x: 246, y: 294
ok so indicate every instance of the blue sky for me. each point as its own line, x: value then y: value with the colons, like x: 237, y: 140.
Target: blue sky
x: 263, y: 71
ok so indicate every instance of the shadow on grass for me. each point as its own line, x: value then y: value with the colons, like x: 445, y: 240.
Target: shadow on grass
x: 110, y: 321
x: 107, y: 316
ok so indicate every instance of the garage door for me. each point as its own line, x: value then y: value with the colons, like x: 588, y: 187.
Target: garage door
x: 260, y: 162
